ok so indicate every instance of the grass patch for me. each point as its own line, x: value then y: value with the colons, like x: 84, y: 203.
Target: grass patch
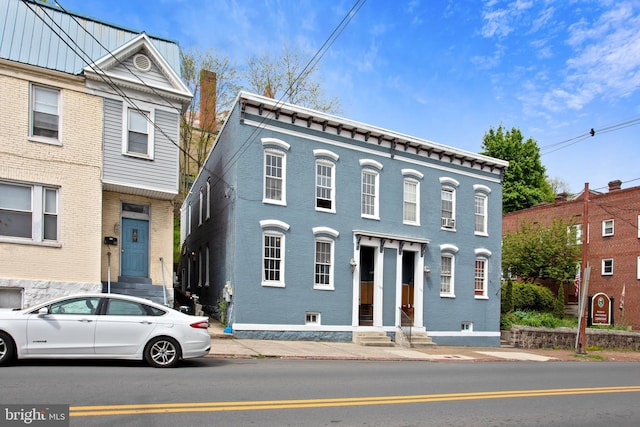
x: 590, y: 356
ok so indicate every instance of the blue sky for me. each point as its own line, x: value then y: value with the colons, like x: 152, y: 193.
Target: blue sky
x: 445, y: 71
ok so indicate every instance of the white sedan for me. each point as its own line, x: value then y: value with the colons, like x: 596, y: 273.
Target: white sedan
x: 102, y: 326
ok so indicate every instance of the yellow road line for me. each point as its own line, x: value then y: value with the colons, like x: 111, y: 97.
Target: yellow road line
x: 155, y: 408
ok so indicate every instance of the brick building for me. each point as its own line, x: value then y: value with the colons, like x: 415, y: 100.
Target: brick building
x: 613, y: 239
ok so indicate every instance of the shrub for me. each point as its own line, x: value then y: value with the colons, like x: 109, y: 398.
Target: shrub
x: 507, y: 298
x: 558, y: 307
x: 531, y: 297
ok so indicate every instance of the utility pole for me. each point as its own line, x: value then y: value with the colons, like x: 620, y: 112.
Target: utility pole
x: 582, y: 303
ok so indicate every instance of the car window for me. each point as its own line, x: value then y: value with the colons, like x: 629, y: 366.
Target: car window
x: 125, y: 308
x: 75, y: 306
x: 152, y: 311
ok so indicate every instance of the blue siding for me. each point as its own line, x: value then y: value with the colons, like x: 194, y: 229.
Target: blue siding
x: 235, y: 167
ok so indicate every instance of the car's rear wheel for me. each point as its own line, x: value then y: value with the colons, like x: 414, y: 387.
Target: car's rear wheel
x: 7, y: 349
x: 162, y: 352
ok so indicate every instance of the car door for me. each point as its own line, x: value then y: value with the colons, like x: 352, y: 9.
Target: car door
x: 123, y: 328
x: 68, y: 328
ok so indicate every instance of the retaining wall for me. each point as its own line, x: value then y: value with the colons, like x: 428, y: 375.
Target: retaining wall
x: 529, y: 337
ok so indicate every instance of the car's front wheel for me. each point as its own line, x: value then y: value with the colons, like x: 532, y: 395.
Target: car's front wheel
x: 162, y: 352
x: 7, y: 349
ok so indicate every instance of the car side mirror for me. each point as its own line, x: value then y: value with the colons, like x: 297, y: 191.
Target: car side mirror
x: 43, y: 311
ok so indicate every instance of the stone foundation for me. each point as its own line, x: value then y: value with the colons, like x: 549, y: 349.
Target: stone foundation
x: 565, y: 338
x: 37, y: 291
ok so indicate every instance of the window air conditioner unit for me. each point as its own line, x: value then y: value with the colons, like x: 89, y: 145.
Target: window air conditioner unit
x: 448, y: 222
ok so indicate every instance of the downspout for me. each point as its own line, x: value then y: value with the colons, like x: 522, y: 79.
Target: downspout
x: 164, y: 288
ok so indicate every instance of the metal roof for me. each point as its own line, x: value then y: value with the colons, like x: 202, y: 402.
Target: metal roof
x: 44, y: 35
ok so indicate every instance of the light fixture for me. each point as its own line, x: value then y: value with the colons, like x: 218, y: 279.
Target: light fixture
x: 427, y: 271
x: 353, y: 265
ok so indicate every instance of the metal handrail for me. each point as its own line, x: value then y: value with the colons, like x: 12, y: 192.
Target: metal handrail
x: 406, y: 329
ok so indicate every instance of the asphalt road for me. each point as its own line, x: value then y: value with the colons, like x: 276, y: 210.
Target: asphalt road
x: 278, y: 392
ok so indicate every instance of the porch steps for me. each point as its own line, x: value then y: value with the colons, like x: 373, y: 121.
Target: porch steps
x: 419, y: 339
x: 373, y: 339
x: 132, y: 287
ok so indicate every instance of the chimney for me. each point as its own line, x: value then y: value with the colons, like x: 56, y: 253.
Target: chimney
x: 207, y: 101
x: 615, y: 185
x: 561, y: 197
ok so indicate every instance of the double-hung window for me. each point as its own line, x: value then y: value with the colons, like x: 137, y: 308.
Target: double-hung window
x: 446, y: 275
x: 325, y: 182
x: 323, y: 264
x: 481, y: 277
x: 370, y: 189
x: 447, y: 270
x: 607, y: 227
x: 29, y: 212
x: 607, y: 267
x: 45, y: 114
x: 448, y: 203
x: 325, y: 196
x: 139, y: 133
x: 480, y: 281
x: 481, y: 209
x: 273, y: 252
x: 410, y: 211
x: 275, y: 171
x: 324, y: 257
x: 411, y: 196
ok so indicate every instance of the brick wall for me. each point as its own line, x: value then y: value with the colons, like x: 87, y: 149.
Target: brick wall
x: 621, y: 205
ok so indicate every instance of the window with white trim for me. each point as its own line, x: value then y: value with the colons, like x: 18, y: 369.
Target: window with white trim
x: 480, y: 278
x: 638, y: 269
x: 273, y: 259
x: 189, y: 216
x: 274, y: 176
x: 466, y: 327
x: 200, y: 267
x: 323, y: 277
x: 369, y: 193
x: 607, y: 267
x: 447, y: 263
x: 201, y: 210
x: 207, y: 260
x: 325, y: 185
x: 45, y: 114
x: 607, y: 227
x: 575, y: 232
x: 138, y: 136
x: 448, y: 197
x: 311, y: 318
x: 411, y: 204
x: 208, y: 198
x: 29, y: 212
x: 273, y: 251
x: 480, y: 204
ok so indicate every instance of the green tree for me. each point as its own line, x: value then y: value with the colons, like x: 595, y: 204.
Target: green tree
x: 525, y: 183
x: 535, y: 251
x: 289, y: 77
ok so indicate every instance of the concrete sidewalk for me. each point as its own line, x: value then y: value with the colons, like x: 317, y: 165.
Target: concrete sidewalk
x: 225, y: 346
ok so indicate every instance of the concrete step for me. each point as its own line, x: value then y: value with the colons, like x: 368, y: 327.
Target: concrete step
x: 417, y: 340
x: 373, y: 339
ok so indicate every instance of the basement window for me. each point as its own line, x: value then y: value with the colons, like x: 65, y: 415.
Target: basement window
x: 466, y: 326
x: 312, y: 318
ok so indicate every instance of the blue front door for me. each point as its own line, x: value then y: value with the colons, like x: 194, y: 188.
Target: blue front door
x: 135, y: 247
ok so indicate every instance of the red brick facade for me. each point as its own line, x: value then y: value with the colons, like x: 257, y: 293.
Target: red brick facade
x: 621, y: 245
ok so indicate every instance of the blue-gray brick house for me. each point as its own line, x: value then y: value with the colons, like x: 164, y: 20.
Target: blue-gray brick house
x: 323, y: 228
